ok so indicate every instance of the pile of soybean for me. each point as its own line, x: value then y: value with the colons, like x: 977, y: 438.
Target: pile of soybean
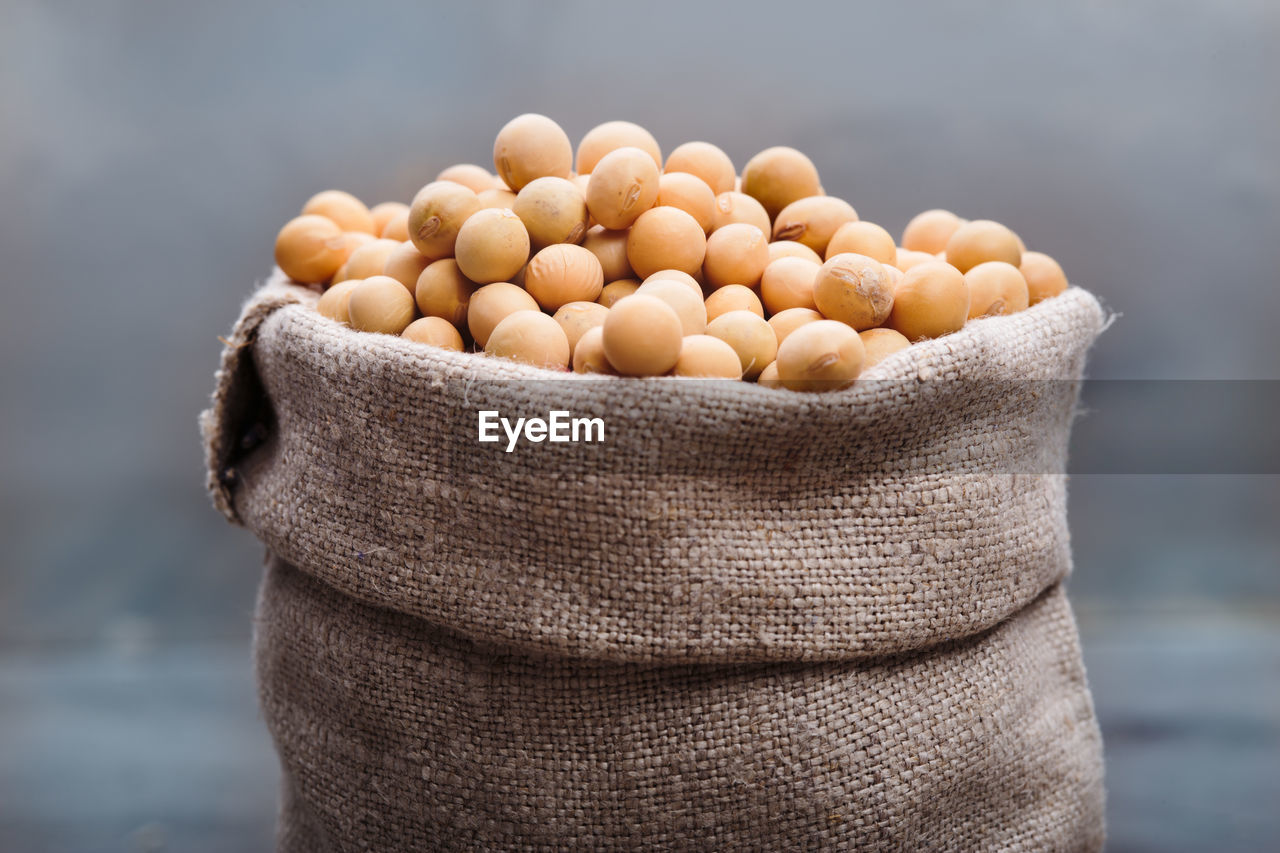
x: 620, y: 263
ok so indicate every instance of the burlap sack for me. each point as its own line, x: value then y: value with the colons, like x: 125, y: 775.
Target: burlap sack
x: 749, y: 619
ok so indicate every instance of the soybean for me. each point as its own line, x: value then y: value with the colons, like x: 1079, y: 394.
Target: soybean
x: 705, y: 161
x: 434, y: 331
x: 380, y: 304
x: 563, y: 273
x: 995, y: 288
x: 733, y: 206
x: 443, y: 291
x: 982, y: 240
x: 615, y: 290
x: 821, y: 356
x: 529, y: 147
x: 689, y: 193
x: 588, y: 355
x: 863, y: 238
x: 736, y: 254
x: 333, y: 302
x: 751, y: 338
x: 931, y: 301
x: 553, y: 211
x: 929, y: 231
x: 686, y: 302
x: 347, y: 211
x: 778, y: 176
x: 854, y: 289
x: 492, y: 245
x: 642, y: 336
x: 733, y: 297
x: 611, y: 136
x: 707, y: 356
x: 575, y: 318
x: 788, y: 283
x: 880, y: 343
x: 531, y: 337
x: 813, y: 221
x: 310, y: 249
x: 437, y: 215
x: 666, y: 238
x: 1044, y: 276
x: 623, y: 185
x: 491, y: 303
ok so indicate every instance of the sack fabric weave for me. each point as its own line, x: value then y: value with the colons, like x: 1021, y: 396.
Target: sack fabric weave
x: 747, y: 619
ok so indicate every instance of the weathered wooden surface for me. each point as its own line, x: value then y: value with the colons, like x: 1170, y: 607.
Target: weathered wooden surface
x: 1189, y: 702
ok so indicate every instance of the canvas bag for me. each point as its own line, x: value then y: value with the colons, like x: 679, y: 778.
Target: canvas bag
x: 748, y: 619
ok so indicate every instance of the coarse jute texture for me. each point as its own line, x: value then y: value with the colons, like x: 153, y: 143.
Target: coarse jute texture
x: 749, y: 619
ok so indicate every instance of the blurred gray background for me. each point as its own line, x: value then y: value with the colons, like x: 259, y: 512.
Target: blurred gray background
x: 149, y: 153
